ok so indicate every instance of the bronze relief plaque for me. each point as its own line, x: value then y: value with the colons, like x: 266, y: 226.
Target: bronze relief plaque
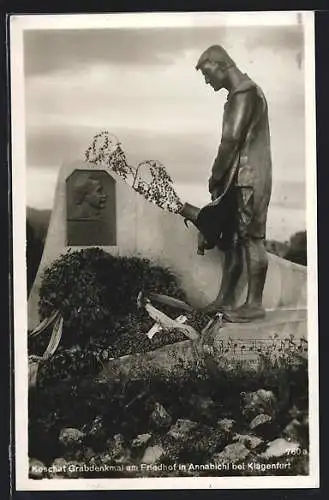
x: 90, y: 208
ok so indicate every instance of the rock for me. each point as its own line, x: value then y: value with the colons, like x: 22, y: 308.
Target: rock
x: 261, y: 401
x: 264, y: 426
x: 292, y: 431
x: 141, y: 440
x: 232, y: 453
x: 226, y: 425
x: 182, y: 428
x: 37, y: 469
x: 259, y: 421
x: 160, y: 418
x: 70, y: 437
x: 279, y: 447
x: 152, y: 454
x: 250, y: 442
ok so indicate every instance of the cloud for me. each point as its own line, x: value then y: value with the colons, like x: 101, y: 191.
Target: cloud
x: 276, y: 38
x: 187, y: 157
x: 51, y: 50
x: 47, y: 51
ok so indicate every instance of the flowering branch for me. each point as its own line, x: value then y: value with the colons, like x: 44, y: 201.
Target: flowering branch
x: 105, y: 149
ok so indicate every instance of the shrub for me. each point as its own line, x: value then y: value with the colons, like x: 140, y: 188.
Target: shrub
x: 96, y: 292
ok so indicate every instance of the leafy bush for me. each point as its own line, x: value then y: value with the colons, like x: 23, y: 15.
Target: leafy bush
x: 96, y: 293
x: 295, y: 250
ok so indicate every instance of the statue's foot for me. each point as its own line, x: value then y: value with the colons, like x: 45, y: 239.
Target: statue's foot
x: 244, y: 314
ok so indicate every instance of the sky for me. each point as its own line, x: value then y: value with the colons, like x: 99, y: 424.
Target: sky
x: 141, y: 85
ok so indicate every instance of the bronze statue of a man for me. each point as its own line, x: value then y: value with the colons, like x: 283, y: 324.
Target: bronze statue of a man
x: 242, y: 175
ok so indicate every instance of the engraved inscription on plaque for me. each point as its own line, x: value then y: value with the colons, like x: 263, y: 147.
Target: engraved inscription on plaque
x: 90, y: 208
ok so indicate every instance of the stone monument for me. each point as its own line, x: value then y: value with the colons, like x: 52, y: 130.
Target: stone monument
x: 131, y: 226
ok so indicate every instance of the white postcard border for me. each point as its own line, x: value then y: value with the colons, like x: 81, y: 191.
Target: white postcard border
x: 19, y: 23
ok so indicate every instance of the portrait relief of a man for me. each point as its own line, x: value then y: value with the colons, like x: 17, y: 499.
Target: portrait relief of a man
x: 89, y: 198
x: 90, y: 208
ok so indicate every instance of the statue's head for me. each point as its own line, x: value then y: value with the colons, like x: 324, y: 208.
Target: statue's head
x: 215, y: 63
x: 90, y: 191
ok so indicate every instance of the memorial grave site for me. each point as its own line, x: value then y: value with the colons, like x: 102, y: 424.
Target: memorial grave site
x: 129, y: 376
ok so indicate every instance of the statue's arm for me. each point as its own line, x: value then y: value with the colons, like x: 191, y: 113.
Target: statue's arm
x: 234, y: 127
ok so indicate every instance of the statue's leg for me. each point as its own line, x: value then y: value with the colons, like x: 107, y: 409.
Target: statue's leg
x: 257, y: 263
x: 251, y: 228
x: 232, y: 269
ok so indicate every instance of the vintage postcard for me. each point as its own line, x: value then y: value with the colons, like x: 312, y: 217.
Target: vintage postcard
x: 164, y: 249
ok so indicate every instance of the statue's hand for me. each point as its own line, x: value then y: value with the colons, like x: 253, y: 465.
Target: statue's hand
x: 203, y: 244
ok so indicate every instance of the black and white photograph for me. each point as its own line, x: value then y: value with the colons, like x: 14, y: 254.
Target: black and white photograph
x: 165, y: 256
